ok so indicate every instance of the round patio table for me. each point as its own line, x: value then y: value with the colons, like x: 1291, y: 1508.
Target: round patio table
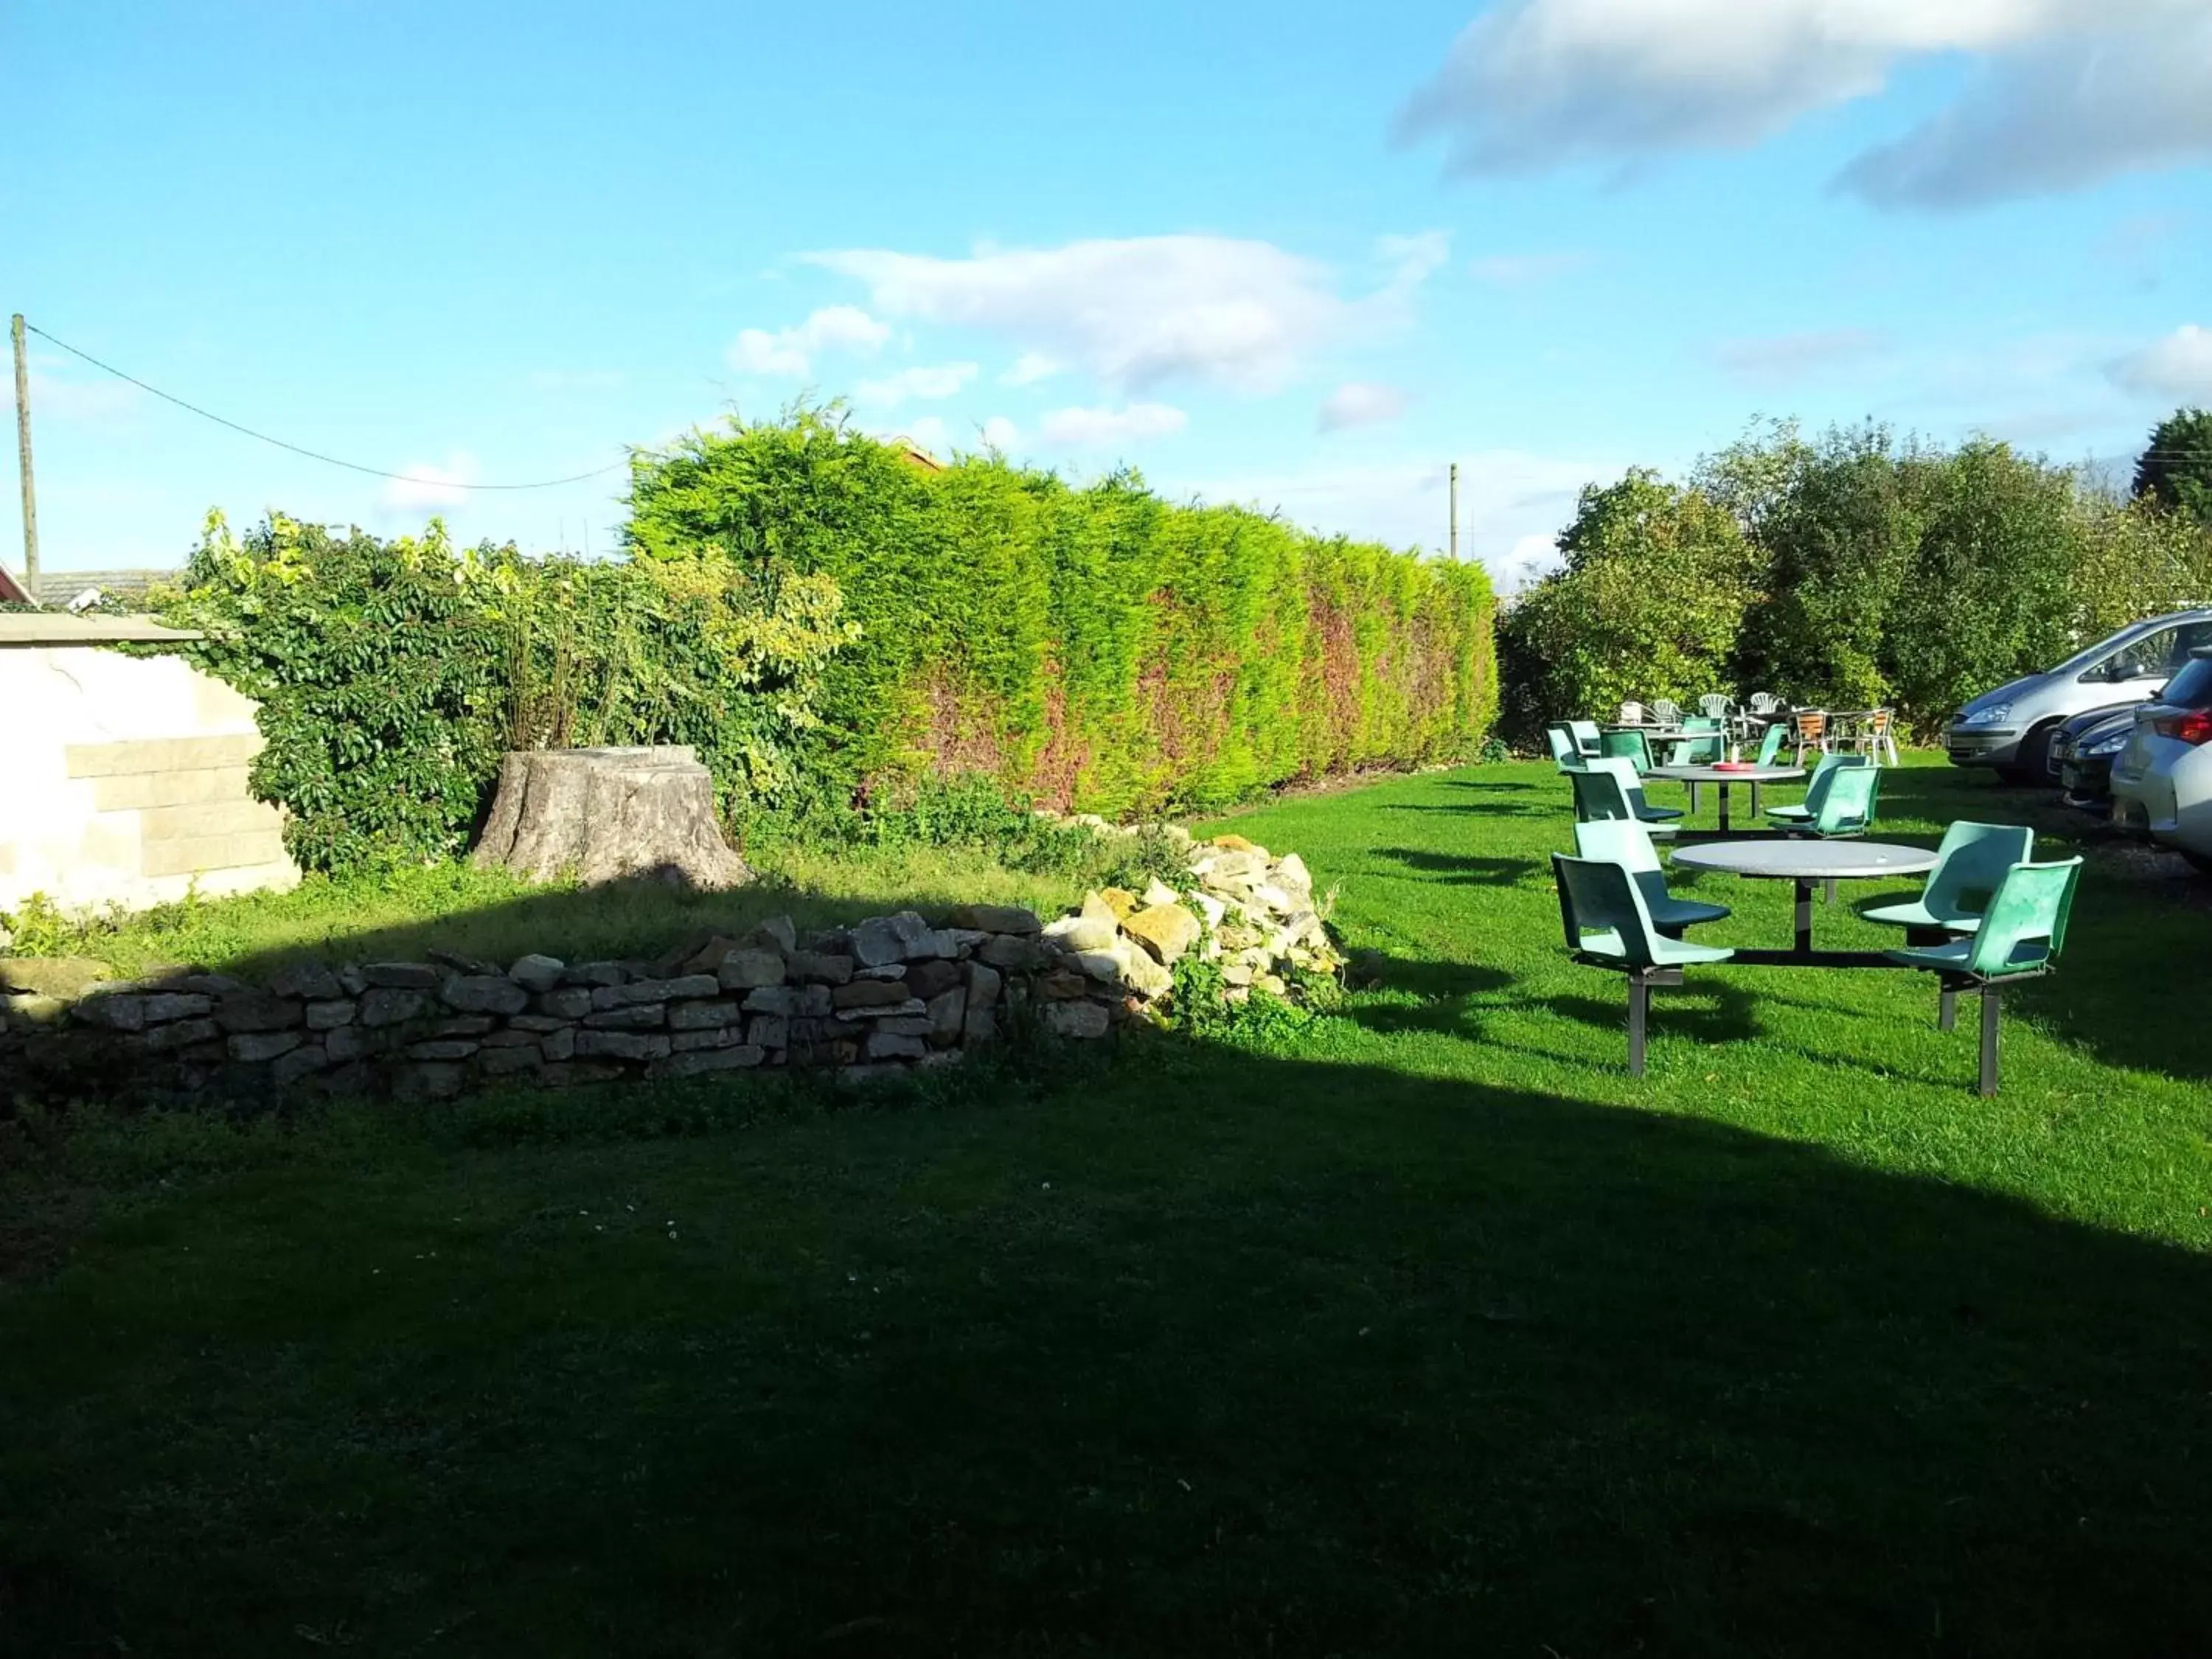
x: 1808, y: 863
x: 1724, y: 776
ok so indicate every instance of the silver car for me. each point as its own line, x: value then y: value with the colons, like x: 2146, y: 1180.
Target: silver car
x: 2011, y: 727
x: 2162, y: 780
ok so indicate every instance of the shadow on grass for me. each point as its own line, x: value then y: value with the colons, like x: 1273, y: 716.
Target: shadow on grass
x: 1257, y: 1355
x: 1705, y: 1012
x: 1461, y: 869
x: 1488, y: 810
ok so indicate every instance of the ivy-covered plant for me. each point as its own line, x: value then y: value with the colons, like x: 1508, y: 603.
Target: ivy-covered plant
x: 392, y: 674
x: 378, y: 669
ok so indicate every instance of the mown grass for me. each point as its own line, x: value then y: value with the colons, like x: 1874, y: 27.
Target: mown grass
x: 491, y: 915
x: 1426, y: 1330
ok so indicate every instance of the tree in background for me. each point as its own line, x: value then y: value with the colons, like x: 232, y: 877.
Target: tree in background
x: 2175, y: 469
x: 1658, y: 577
x: 1839, y: 523
x: 1988, y: 595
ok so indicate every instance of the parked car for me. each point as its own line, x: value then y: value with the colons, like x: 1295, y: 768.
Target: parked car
x: 2082, y: 756
x: 2162, y: 779
x: 2012, y: 727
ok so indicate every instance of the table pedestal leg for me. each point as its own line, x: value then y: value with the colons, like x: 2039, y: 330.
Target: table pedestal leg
x: 1724, y: 809
x: 1755, y: 800
x: 1804, y: 914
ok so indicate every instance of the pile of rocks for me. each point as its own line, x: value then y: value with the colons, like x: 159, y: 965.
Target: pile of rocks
x: 882, y: 997
x: 1255, y: 914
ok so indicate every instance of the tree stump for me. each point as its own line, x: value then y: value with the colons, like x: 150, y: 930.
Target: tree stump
x: 602, y: 815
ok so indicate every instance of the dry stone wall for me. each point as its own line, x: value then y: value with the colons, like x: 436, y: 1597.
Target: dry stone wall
x: 888, y: 995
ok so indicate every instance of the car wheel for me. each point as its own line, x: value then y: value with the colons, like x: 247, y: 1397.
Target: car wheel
x: 2032, y: 768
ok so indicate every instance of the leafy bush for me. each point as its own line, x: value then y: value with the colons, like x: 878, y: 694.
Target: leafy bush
x: 1657, y: 582
x: 392, y: 675
x: 1854, y: 571
x: 1095, y: 647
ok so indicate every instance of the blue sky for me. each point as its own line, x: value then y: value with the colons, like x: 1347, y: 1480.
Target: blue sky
x: 1298, y: 260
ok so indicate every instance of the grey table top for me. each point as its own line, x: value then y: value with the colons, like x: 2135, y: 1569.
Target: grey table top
x: 1808, y: 861
x: 1729, y: 774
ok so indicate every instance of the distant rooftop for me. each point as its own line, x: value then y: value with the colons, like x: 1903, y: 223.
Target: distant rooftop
x: 55, y: 588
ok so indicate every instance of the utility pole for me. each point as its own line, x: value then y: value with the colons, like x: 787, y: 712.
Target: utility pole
x: 1454, y: 491
x: 23, y: 455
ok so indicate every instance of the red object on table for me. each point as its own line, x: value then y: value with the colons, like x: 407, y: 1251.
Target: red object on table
x: 1734, y: 766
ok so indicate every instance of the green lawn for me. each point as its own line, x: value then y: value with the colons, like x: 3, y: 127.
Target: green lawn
x: 1429, y: 1332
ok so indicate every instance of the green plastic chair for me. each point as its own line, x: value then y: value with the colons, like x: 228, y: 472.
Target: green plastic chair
x: 1802, y: 812
x: 2020, y: 937
x: 1771, y: 744
x: 1603, y: 912
x: 1846, y: 805
x: 1970, y: 866
x: 1631, y: 746
x: 1587, y: 738
x: 1564, y: 754
x: 1627, y: 843
x: 1609, y: 789
x: 1710, y: 744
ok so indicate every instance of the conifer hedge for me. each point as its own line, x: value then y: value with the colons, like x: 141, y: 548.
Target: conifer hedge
x: 1093, y: 647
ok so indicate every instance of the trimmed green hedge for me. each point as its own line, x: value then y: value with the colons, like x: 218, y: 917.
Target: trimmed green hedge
x: 1097, y: 649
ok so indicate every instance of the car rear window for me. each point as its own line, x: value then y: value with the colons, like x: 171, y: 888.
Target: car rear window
x: 2192, y: 687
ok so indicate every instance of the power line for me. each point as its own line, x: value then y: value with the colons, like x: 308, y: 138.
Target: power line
x: 312, y: 455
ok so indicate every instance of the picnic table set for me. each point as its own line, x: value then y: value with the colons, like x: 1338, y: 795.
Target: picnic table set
x: 1988, y: 914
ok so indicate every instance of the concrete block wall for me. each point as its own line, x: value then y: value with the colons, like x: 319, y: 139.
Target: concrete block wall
x: 123, y: 782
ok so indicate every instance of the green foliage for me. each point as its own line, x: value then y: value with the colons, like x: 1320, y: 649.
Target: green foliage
x: 1986, y: 599
x: 1653, y: 594
x: 1095, y: 647
x: 1839, y: 526
x: 392, y: 675
x: 2175, y: 469
x: 1868, y: 572
x: 377, y: 664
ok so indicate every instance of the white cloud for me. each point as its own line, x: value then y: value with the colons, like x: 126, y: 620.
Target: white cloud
x: 1781, y: 360
x: 788, y: 353
x: 427, y: 486
x: 1524, y: 270
x: 1029, y: 369
x: 1361, y: 403
x: 1140, y: 311
x: 1511, y: 504
x: 1084, y: 428
x: 999, y: 433
x: 2068, y: 90
x: 2063, y: 115
x: 934, y: 381
x: 2179, y: 365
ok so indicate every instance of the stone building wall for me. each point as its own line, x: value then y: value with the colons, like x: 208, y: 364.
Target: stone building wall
x: 123, y: 780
